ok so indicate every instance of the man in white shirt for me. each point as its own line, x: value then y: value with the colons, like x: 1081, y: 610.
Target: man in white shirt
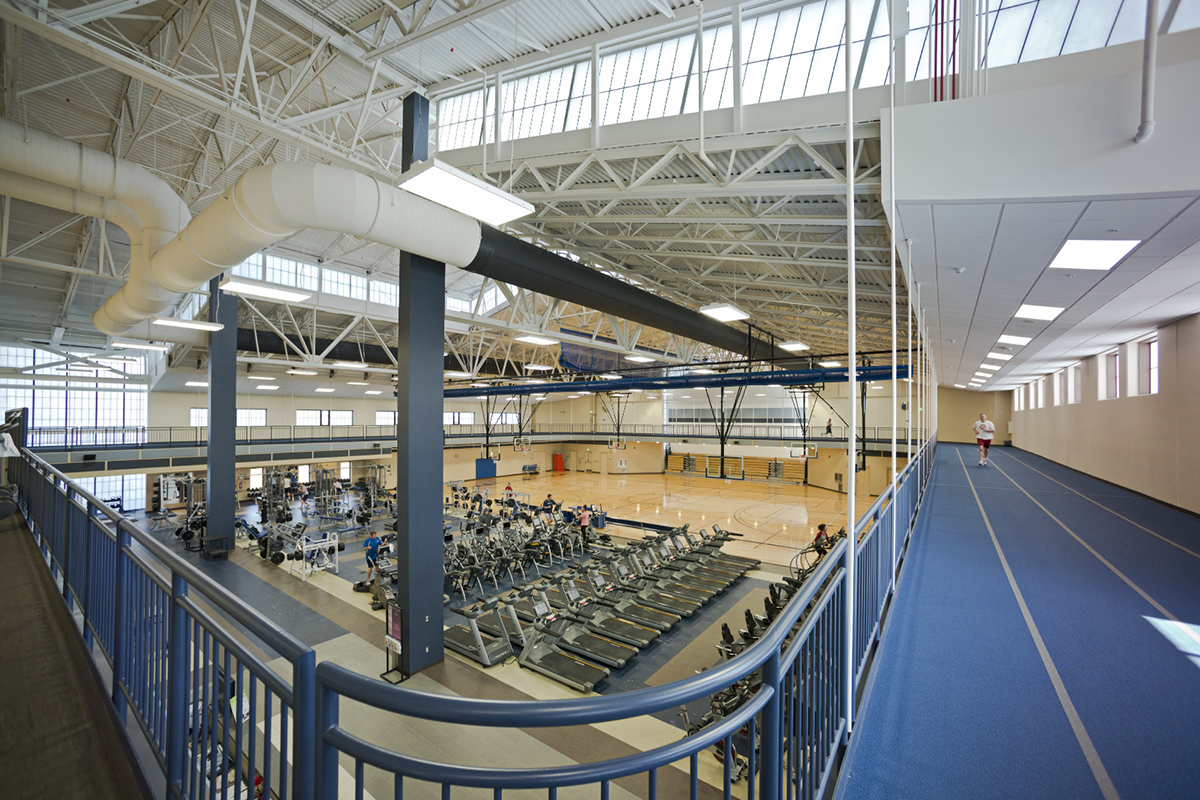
x: 984, y: 431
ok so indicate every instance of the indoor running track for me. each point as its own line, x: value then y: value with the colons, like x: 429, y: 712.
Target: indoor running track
x: 1044, y: 642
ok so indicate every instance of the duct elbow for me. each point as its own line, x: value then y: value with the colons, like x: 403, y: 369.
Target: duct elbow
x: 1144, y: 131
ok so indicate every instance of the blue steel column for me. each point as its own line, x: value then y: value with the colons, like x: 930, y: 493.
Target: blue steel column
x: 221, y: 483
x: 419, y: 430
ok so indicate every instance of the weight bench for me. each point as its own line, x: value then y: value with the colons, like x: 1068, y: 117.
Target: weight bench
x: 160, y: 519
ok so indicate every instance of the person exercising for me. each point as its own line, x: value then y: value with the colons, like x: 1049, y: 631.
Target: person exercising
x: 984, y: 430
x: 820, y: 542
x: 371, y: 547
x: 548, y: 504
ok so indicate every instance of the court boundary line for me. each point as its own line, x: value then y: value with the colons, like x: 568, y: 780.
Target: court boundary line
x: 1101, y: 505
x: 1090, y: 754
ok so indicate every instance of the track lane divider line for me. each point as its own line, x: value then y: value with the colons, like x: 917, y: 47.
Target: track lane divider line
x: 1107, y: 788
x: 1106, y: 508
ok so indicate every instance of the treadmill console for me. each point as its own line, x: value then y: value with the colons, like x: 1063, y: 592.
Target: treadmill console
x: 572, y: 593
x: 664, y: 552
x: 598, y: 582
x: 541, y: 610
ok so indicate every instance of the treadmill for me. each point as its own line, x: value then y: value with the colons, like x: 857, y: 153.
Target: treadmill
x: 625, y: 606
x: 472, y: 642
x: 713, y: 544
x: 686, y: 550
x: 660, y: 577
x: 600, y: 619
x: 542, y: 654
x: 622, y: 576
x: 689, y: 570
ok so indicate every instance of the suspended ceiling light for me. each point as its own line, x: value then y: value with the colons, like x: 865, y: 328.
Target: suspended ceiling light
x: 158, y: 348
x: 265, y: 292
x: 539, y: 367
x: 357, y: 383
x: 959, y: 386
x: 190, y: 324
x: 301, y: 372
x: 349, y: 364
x: 269, y: 387
x: 1096, y: 254
x: 830, y: 363
x: 999, y: 356
x: 639, y: 359
x: 723, y: 312
x: 609, y: 377
x: 794, y: 346
x: 375, y: 391
x: 324, y: 389
x: 480, y: 385
x: 197, y: 384
x: 539, y: 340
x: 1020, y: 341
x: 703, y: 371
x: 457, y: 374
x: 443, y: 184
x: 260, y: 377
x: 1028, y: 311
x: 992, y: 367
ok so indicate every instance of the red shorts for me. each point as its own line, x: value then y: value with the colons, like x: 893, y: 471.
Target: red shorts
x: 984, y: 443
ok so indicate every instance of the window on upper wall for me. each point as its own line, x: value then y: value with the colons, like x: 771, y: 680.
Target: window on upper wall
x: 288, y: 272
x: 344, y: 471
x: 256, y: 477
x: 1019, y: 399
x: 458, y: 304
x: 313, y: 417
x: 1058, y: 381
x: 1039, y: 389
x: 344, y: 284
x: 505, y: 418
x: 251, y: 417
x: 1147, y: 356
x: 303, y: 473
x: 385, y: 417
x: 458, y: 417
x: 385, y: 292
x: 1075, y: 383
x: 1110, y: 375
x: 198, y: 418
x: 308, y: 416
x: 341, y: 417
x: 252, y: 268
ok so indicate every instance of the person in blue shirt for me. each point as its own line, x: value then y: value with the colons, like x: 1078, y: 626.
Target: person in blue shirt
x: 371, y: 547
x: 548, y: 504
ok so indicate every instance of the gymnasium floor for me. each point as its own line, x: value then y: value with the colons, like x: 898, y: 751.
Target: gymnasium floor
x: 327, y: 614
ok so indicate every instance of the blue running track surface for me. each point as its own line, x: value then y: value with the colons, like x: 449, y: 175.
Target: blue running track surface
x: 1044, y: 642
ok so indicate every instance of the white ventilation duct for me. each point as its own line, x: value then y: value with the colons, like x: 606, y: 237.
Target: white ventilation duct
x: 162, y: 214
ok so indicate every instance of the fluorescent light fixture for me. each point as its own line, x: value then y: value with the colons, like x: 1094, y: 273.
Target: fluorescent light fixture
x: 639, y: 359
x: 269, y: 387
x: 453, y: 188
x: 1097, y: 254
x: 1020, y: 341
x: 830, y: 363
x: 539, y: 340
x: 572, y: 397
x: 702, y: 371
x: 999, y: 356
x: 260, y: 377
x: 195, y: 325
x: 687, y: 397
x: 992, y: 367
x: 349, y: 364
x: 959, y: 386
x: 774, y: 385
x: 636, y: 391
x: 609, y: 377
x: 357, y: 383
x: 760, y: 394
x: 301, y: 372
x: 723, y: 312
x: 265, y: 292
x: 1028, y: 311
x: 539, y: 367
x: 158, y: 348
x: 375, y: 391
x: 480, y: 385
x: 457, y: 374
x: 534, y: 380
x: 983, y: 375
x: 325, y: 389
x: 197, y: 384
x: 794, y: 346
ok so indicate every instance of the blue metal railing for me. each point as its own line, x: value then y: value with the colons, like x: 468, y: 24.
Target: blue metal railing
x: 208, y: 706
x: 218, y: 716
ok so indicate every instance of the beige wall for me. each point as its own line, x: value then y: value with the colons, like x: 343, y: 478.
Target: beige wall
x: 1149, y: 444
x: 639, y: 458
x: 959, y: 409
x: 173, y: 409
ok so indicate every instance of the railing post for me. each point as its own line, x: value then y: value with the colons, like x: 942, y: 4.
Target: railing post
x: 326, y: 757
x: 771, y: 761
x: 177, y: 701
x: 120, y: 654
x: 304, y: 699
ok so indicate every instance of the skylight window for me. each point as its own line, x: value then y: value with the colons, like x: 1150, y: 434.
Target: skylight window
x: 1094, y: 254
x: 1020, y: 341
x: 1028, y: 311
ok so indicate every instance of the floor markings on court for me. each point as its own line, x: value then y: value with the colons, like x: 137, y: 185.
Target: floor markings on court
x: 1107, y: 788
x: 1101, y: 505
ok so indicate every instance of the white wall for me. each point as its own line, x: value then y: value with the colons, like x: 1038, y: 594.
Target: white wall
x: 1149, y: 444
x: 173, y: 409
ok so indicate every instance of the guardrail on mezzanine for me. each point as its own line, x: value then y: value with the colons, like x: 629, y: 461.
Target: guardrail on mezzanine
x: 185, y: 677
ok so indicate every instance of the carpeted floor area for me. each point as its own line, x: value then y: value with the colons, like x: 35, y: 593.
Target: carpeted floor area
x: 1044, y: 642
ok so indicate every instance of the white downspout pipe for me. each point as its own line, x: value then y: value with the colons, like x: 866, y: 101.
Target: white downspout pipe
x: 1149, y: 68
x: 28, y: 152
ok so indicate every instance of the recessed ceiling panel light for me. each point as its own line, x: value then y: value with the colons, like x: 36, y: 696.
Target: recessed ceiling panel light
x: 959, y: 386
x: 453, y: 188
x: 349, y: 364
x: 374, y: 391
x: 830, y: 363
x: 724, y: 312
x: 1020, y: 341
x: 265, y: 292
x: 260, y: 377
x: 301, y: 372
x: 999, y: 356
x: 197, y: 384
x: 195, y: 325
x: 158, y: 348
x: 324, y: 389
x: 1098, y: 254
x: 538, y: 340
x: 992, y: 367
x: 357, y: 383
x: 270, y: 387
x: 1028, y: 311
x: 572, y: 397
x: 794, y: 346
x: 984, y: 375
x: 639, y: 359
